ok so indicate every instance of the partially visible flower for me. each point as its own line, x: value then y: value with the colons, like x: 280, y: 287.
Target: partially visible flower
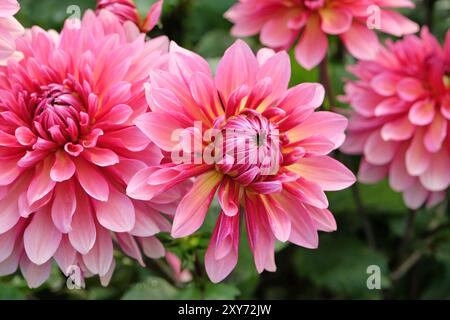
x: 10, y: 29
x: 281, y: 22
x: 267, y: 145
x: 400, y: 123
x: 68, y: 148
x: 180, y: 275
x: 126, y: 10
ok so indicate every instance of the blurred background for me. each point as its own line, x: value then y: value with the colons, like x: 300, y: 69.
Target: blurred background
x: 374, y: 227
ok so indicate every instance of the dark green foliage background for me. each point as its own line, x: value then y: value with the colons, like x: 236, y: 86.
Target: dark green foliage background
x: 338, y: 268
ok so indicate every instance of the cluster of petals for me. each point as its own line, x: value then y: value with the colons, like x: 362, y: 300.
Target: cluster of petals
x: 249, y: 93
x: 281, y: 23
x: 400, y: 119
x: 10, y: 29
x: 68, y: 148
x: 126, y: 10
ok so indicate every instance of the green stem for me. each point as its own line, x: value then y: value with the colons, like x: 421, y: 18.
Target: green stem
x: 325, y: 80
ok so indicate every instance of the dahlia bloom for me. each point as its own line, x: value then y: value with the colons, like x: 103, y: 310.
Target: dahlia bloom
x: 281, y: 22
x: 263, y: 149
x: 10, y: 29
x: 400, y: 122
x: 126, y: 10
x: 68, y: 148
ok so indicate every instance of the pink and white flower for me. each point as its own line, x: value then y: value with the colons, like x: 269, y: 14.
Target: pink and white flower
x: 249, y: 95
x: 400, y: 122
x: 280, y: 23
x: 68, y: 148
x: 10, y: 29
x: 126, y: 10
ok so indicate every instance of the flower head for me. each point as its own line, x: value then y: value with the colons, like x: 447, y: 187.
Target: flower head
x: 281, y: 22
x: 10, y: 29
x: 244, y: 135
x: 126, y: 10
x: 400, y: 122
x: 68, y: 147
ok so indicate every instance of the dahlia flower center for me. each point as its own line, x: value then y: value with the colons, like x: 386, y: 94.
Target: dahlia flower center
x: 314, y: 4
x: 250, y: 145
x: 56, y: 113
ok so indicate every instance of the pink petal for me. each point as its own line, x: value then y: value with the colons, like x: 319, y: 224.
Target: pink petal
x: 153, y: 16
x: 415, y: 196
x: 225, y: 239
x: 396, y: 24
x: 145, y: 225
x: 130, y: 247
x: 436, y: 134
x: 152, y: 247
x: 35, y: 275
x: 312, y: 194
x: 160, y: 128
x: 260, y: 237
x: 9, y: 8
x: 25, y: 136
x: 9, y: 213
x: 99, y: 259
x: 277, y: 68
x: 335, y: 20
x: 410, y: 89
x: 10, y: 264
x: 276, y: 33
x: 322, y: 218
x: 327, y: 124
x: 193, y: 207
x: 228, y: 197
x: 417, y: 157
x: 41, y: 184
x: 116, y: 214
x: 63, y: 169
x: 397, y: 130
x: 361, y: 42
x: 313, y: 44
x: 65, y: 255
x: 10, y: 171
x: 378, y: 151
x: 384, y: 84
x: 8, y: 241
x: 83, y: 233
x: 237, y: 67
x: 303, y: 229
x: 304, y: 96
x: 92, y: 181
x: 105, y: 279
x: 399, y: 178
x: 369, y: 173
x: 437, y: 175
x: 63, y: 206
x: 279, y: 221
x: 41, y: 238
x: 330, y: 174
x: 101, y: 157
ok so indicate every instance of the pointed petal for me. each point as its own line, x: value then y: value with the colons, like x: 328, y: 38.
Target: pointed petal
x: 193, y: 207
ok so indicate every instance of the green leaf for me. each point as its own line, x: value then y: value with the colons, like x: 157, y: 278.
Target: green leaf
x: 221, y: 291
x: 340, y: 266
x: 152, y: 288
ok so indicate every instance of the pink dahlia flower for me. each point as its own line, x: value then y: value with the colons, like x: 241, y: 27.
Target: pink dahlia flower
x: 126, y: 10
x: 68, y: 148
x: 10, y: 29
x: 244, y: 135
x: 400, y: 123
x: 281, y: 22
